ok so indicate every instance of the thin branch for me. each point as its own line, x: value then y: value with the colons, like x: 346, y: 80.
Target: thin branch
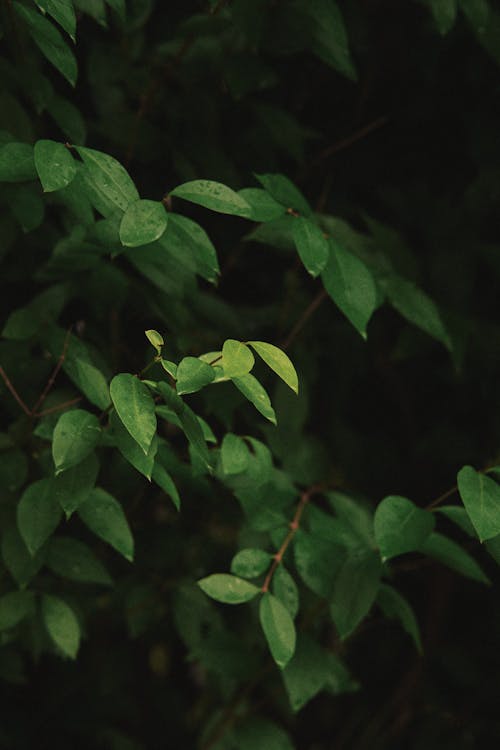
x: 442, y: 498
x: 308, y: 312
x: 11, y: 388
x: 58, y: 407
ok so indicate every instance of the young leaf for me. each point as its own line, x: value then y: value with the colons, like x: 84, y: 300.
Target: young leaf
x: 454, y: 556
x: 109, y: 177
x: 311, y: 245
x: 166, y: 483
x: 228, y: 589
x: 237, y: 359
x: 73, y: 486
x: 62, y: 625
x: 284, y: 191
x: 131, y: 450
x: 38, y: 514
x: 17, y: 163
x: 143, y: 222
x: 135, y: 407
x: 14, y: 607
x: 21, y: 565
x: 213, y: 195
x: 351, y: 286
x: 278, y: 628
x: 250, y: 563
x: 55, y: 166
x: 285, y: 589
x: 76, y: 434
x: 250, y: 387
x: 50, y: 42
x: 192, y: 375
x: 105, y: 517
x: 155, y: 339
x: 234, y: 454
x: 72, y: 559
x: 393, y: 605
x: 400, y: 526
x: 278, y: 361
x: 481, y: 497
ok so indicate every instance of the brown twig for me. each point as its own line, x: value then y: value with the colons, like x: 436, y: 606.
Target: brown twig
x: 58, y: 407
x: 310, y: 310
x: 11, y: 388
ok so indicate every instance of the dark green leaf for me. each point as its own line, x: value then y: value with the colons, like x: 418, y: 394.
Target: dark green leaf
x: 311, y: 245
x: 355, y: 589
x: 481, y: 498
x: 17, y: 163
x: 14, y: 607
x: 38, y: 514
x: 454, y: 556
x: 306, y: 674
x: 18, y: 561
x: 105, y: 517
x: 213, y: 195
x: 61, y: 11
x: 72, y: 559
x: 445, y: 13
x: 55, y: 165
x: 263, y: 206
x: 109, y: 178
x: 72, y: 487
x: 50, y: 42
x: 165, y: 481
x: 278, y: 628
x: 234, y: 454
x: 400, y: 526
x: 76, y: 434
x: 131, y: 450
x: 284, y: 191
x: 285, y: 589
x: 393, y: 605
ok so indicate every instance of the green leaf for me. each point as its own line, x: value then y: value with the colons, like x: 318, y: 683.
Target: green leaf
x: 285, y: 589
x: 68, y: 119
x: 188, y: 421
x: 228, y: 589
x: 317, y: 562
x: 131, y: 450
x: 73, y: 486
x: 38, y: 514
x: 393, y: 605
x: 458, y: 516
x: 250, y: 387
x: 258, y: 734
x: 213, y: 195
x: 55, y: 166
x: 72, y: 559
x: 284, y: 191
x: 278, y: 628
x: 417, y: 307
x: 250, y: 563
x: 62, y: 625
x: 105, y: 517
x: 194, y: 237
x: 278, y: 361
x: 21, y: 565
x: 155, y: 339
x: 445, y: 14
x: 76, y: 434
x: 17, y: 163
x: 263, y: 206
x: 477, y: 13
x: 166, y: 483
x: 311, y: 245
x: 61, y: 11
x: 400, y: 526
x: 454, y: 556
x: 237, y: 359
x: 14, y: 607
x: 234, y: 454
x: 143, y: 222
x: 351, y: 286
x: 355, y: 589
x: 481, y: 498
x: 192, y: 375
x: 307, y: 673
x: 109, y: 177
x: 50, y: 42
x: 135, y: 407
x: 119, y: 8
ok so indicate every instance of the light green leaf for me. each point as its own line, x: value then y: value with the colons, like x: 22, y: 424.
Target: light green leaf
x: 393, y: 605
x: 72, y: 559
x: 166, y: 483
x: 38, y: 514
x: 481, y: 498
x: 21, y: 565
x: 155, y: 339
x: 131, y: 450
x: 400, y: 526
x: 14, y: 607
x: 213, y: 195
x: 109, y: 177
x: 62, y: 625
x: 228, y: 589
x: 417, y: 307
x: 285, y: 589
x: 284, y: 191
x: 76, y: 434
x: 454, y: 556
x: 278, y: 628
x: 73, y: 486
x: 61, y: 11
x: 234, y: 454
x: 351, y: 286
x: 135, y: 407
x: 237, y: 359
x: 355, y: 589
x: 17, y: 163
x: 445, y: 14
x: 311, y: 245
x: 143, y: 222
x: 250, y: 563
x: 278, y: 361
x: 263, y: 206
x: 256, y: 394
x: 55, y: 166
x: 169, y: 367
x: 192, y: 375
x: 50, y: 42
x: 105, y: 517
